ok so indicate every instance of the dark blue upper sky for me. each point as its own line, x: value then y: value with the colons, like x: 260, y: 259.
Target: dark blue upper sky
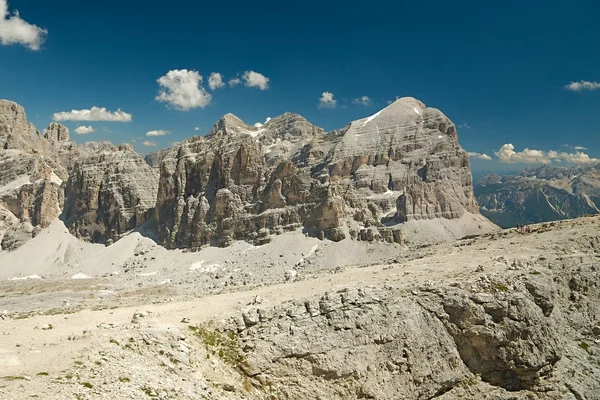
x: 498, y: 69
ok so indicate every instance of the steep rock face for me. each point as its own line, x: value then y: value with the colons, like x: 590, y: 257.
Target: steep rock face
x: 246, y: 182
x: 109, y: 192
x: 57, y: 133
x: 541, y: 194
x: 154, y: 159
x: 32, y: 169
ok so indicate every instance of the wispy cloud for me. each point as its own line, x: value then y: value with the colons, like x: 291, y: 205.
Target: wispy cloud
x: 234, y: 81
x: 255, y: 79
x: 92, y: 114
x: 364, y: 100
x: 215, y: 81
x: 464, y: 125
x: 159, y: 132
x: 507, y: 154
x: 196, y: 128
x: 479, y: 156
x: 579, y: 148
x: 149, y: 143
x: 84, y: 130
x: 582, y: 85
x: 327, y: 100
x: 182, y: 89
x: 391, y: 101
x: 15, y: 30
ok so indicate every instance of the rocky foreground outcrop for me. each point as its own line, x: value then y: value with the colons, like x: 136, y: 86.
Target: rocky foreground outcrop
x: 243, y: 182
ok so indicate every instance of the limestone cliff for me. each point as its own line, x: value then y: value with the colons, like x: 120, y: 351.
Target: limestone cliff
x: 110, y: 191
x: 244, y: 182
x: 32, y: 169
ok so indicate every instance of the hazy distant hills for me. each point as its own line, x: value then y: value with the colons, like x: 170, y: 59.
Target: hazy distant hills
x: 541, y: 194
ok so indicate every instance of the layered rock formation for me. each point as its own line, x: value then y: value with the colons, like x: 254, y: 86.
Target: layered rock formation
x: 243, y: 182
x: 109, y: 192
x: 110, y: 189
x: 32, y: 169
x: 240, y: 182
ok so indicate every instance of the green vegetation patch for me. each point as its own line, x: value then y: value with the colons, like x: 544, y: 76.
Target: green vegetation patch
x: 224, y: 345
x: 500, y: 287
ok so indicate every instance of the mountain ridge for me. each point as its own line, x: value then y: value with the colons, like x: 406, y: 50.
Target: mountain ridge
x: 243, y: 182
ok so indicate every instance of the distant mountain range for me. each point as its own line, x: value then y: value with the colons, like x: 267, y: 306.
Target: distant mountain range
x: 541, y: 194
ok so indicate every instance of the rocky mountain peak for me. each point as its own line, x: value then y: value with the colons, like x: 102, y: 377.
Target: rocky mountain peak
x: 231, y: 125
x: 288, y: 125
x: 57, y: 133
x: 12, y: 121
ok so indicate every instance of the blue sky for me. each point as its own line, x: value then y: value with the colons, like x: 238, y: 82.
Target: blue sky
x: 498, y: 69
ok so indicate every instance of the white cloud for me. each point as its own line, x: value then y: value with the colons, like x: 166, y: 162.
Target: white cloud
x: 84, y: 130
x: 255, y: 79
x: 364, y: 100
x: 464, y: 125
x: 92, y: 114
x: 327, y: 100
x: 258, y: 124
x: 579, y: 148
x: 507, y: 154
x: 215, y: 81
x: 14, y: 30
x: 196, y: 128
x: 148, y: 143
x: 582, y: 85
x: 576, y: 158
x: 479, y: 156
x: 159, y: 132
x: 234, y: 81
x: 182, y: 89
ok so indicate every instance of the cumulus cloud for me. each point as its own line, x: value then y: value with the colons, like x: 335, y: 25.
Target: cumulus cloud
x: 579, y: 148
x: 84, y: 130
x: 196, y: 128
x: 479, y: 156
x: 576, y: 158
x: 327, y: 100
x: 364, y: 100
x: 182, y: 89
x: 148, y: 143
x: 255, y: 79
x: 159, y: 132
x: 507, y: 154
x: 215, y: 81
x: 14, y: 30
x: 582, y: 85
x: 92, y: 114
x: 234, y: 81
x: 259, y: 125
